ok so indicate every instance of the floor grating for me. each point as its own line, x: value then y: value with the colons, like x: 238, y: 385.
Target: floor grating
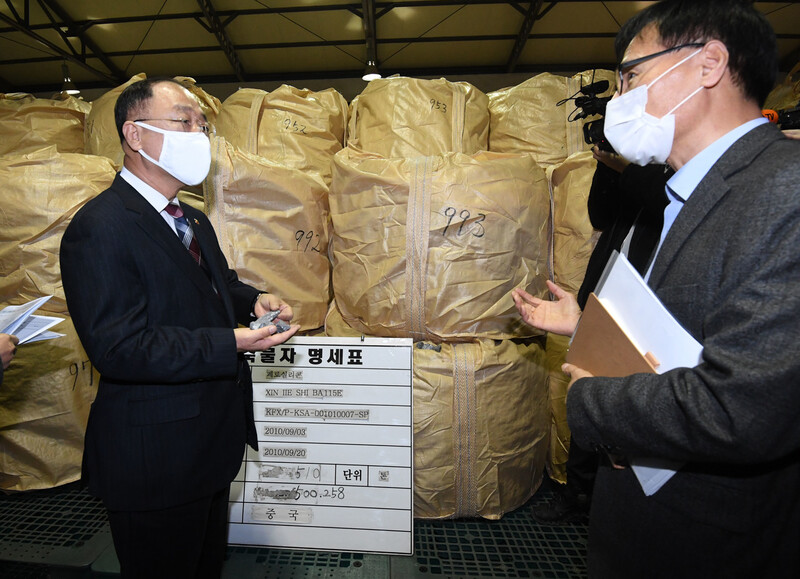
x: 63, y: 533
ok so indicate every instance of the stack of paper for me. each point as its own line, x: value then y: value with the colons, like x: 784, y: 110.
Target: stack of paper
x: 626, y: 329
x: 20, y: 322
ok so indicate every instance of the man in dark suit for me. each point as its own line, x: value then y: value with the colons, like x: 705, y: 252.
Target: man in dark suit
x: 728, y: 269
x: 173, y: 412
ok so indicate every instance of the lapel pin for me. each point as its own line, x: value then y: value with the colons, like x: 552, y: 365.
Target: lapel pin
x: 196, y: 222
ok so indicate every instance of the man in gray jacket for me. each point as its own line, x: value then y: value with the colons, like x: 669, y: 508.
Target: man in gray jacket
x: 692, y: 83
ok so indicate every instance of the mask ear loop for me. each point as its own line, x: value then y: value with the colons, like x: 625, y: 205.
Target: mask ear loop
x: 683, y: 101
x: 673, y: 67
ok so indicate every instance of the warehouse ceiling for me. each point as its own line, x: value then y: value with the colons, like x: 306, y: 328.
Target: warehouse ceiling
x: 105, y: 42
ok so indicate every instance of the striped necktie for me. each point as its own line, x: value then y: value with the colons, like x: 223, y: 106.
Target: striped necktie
x: 184, y: 230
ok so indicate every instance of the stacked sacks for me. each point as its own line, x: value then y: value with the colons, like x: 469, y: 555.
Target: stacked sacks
x: 47, y: 391
x: 573, y: 242
x: 529, y: 118
x: 272, y: 224
x: 480, y: 416
x: 29, y: 124
x: 431, y: 247
x: 297, y: 128
x: 539, y: 116
x: 429, y: 237
x: 408, y: 117
x: 267, y: 192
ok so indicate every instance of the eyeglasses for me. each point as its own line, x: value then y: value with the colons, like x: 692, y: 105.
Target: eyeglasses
x: 187, y: 125
x: 624, y: 67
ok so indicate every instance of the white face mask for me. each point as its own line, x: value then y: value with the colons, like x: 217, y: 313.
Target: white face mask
x: 637, y: 135
x: 184, y: 155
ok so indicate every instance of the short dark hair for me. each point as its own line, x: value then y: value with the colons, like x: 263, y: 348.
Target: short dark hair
x: 746, y: 33
x: 134, y: 97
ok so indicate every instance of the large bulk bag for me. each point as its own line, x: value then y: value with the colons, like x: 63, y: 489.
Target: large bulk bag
x: 47, y: 390
x: 431, y: 247
x: 272, y: 223
x: 481, y: 424
x: 574, y: 237
x: 528, y: 118
x: 408, y: 117
x: 41, y: 193
x: 298, y: 128
x: 29, y: 124
x: 44, y: 406
x: 573, y: 243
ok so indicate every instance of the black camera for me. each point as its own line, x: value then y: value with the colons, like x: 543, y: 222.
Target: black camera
x: 786, y: 119
x: 588, y: 105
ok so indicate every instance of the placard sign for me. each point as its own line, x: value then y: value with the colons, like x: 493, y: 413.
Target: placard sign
x: 334, y: 467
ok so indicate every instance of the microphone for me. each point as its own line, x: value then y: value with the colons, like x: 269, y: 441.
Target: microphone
x: 595, y: 87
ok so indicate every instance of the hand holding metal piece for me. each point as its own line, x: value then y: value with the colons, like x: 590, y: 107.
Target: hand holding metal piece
x: 270, y: 318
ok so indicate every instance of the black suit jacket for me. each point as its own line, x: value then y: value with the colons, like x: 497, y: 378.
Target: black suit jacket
x: 174, y: 404
x: 729, y: 271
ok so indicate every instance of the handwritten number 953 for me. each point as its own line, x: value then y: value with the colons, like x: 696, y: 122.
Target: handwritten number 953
x: 307, y: 236
x: 438, y: 106
x: 474, y: 228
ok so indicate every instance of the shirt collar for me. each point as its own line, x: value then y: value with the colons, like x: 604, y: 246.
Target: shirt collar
x: 156, y: 199
x: 686, y: 179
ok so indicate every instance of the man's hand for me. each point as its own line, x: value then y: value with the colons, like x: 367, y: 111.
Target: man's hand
x: 574, y: 374
x: 248, y: 340
x: 8, y: 347
x: 270, y: 303
x: 611, y: 160
x: 559, y: 317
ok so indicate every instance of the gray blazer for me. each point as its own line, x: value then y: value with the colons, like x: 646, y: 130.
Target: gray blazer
x: 729, y: 271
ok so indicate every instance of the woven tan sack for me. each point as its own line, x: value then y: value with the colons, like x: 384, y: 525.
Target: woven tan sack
x: 787, y: 94
x: 41, y: 193
x: 574, y: 237
x: 298, y: 128
x: 47, y: 390
x: 573, y: 242
x: 100, y: 135
x: 272, y: 224
x: 29, y: 124
x: 481, y: 427
x: 430, y: 248
x: 408, y: 117
x: 44, y: 405
x: 525, y: 118
x: 481, y: 424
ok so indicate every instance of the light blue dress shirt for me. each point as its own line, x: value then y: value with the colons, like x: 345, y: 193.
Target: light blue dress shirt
x: 681, y: 185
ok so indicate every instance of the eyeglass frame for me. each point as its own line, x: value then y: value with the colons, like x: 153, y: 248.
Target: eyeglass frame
x: 625, y: 66
x: 206, y: 129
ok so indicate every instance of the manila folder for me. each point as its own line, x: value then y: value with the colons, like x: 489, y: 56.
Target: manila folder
x: 601, y: 347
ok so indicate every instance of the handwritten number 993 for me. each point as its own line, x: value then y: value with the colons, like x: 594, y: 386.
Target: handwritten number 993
x: 462, y: 218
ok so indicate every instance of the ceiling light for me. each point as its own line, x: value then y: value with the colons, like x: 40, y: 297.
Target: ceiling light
x: 371, y: 72
x: 69, y: 86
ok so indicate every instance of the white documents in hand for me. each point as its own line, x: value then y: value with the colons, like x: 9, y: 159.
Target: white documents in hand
x: 653, y: 330
x: 20, y: 321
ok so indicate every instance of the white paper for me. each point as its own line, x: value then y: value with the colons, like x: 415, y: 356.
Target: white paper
x: 34, y: 326
x: 651, y: 328
x: 11, y: 317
